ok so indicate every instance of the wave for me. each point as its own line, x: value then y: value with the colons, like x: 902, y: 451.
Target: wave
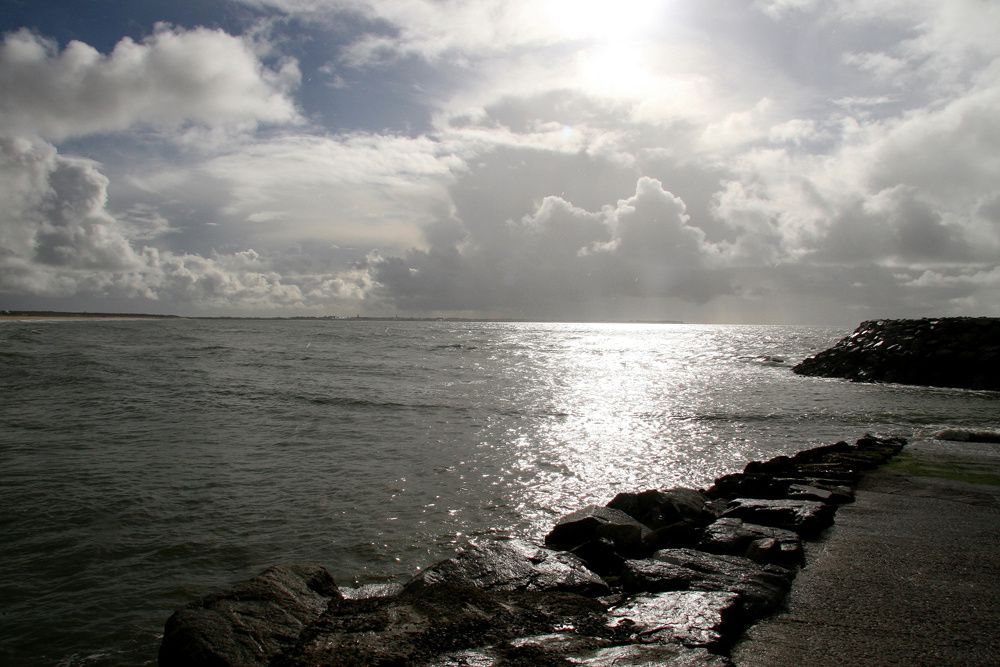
x: 967, y: 435
x: 348, y: 401
x: 454, y: 346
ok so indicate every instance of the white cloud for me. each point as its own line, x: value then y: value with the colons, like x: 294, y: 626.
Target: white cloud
x: 172, y: 78
x: 59, y: 239
x: 354, y: 189
x: 558, y: 259
x: 778, y: 8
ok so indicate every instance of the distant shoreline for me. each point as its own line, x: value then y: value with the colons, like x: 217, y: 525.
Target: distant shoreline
x: 71, y: 316
x: 55, y: 316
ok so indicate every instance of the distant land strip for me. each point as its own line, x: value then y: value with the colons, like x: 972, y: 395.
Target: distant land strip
x: 52, y: 314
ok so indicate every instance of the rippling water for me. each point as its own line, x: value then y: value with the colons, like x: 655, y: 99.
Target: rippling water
x: 146, y: 463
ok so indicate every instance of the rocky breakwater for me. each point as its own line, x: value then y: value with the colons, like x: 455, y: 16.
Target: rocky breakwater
x: 653, y: 578
x: 961, y: 352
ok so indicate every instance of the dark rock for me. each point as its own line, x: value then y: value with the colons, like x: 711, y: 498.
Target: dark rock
x: 946, y: 352
x: 760, y: 588
x: 808, y: 518
x: 661, y: 509
x: 763, y: 544
x: 250, y: 623
x: 594, y: 523
x: 967, y: 435
x: 820, y: 454
x: 512, y: 565
x: 427, y: 624
x: 806, y: 492
x: 783, y: 466
x: 758, y: 485
x: 692, y: 618
x: 552, y: 648
x: 600, y: 556
x: 680, y: 534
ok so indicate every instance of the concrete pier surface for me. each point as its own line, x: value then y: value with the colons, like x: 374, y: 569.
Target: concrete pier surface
x: 908, y: 575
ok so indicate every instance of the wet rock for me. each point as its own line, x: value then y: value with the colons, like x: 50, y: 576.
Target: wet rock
x: 808, y: 518
x: 548, y: 649
x: 680, y: 534
x: 944, y: 352
x: 806, y: 492
x: 662, y: 509
x: 651, y: 655
x: 468, y: 658
x: 763, y: 544
x: 692, y: 618
x: 594, y: 523
x: 759, y: 485
x: 967, y: 435
x: 428, y: 624
x: 760, y: 588
x: 512, y: 565
x: 600, y: 556
x: 799, y: 488
x: 784, y: 467
x: 251, y: 622
x: 371, y: 591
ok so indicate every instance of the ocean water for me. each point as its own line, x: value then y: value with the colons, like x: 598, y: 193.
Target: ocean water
x: 147, y: 463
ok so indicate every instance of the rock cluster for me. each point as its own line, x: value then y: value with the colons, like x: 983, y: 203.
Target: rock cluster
x: 962, y: 352
x: 659, y: 577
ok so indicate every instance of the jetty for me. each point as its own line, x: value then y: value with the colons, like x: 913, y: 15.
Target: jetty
x: 671, y: 576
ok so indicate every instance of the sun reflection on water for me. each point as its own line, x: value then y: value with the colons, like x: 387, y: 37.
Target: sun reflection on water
x: 619, y: 407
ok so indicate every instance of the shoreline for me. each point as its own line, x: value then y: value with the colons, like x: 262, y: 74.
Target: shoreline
x: 653, y: 578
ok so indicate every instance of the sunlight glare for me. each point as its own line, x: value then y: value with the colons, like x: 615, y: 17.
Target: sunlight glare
x: 600, y: 19
x: 617, y: 70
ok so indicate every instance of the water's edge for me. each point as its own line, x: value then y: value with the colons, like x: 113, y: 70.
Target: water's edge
x: 670, y: 574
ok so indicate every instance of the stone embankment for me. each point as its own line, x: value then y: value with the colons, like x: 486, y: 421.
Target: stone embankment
x: 961, y: 352
x: 658, y: 577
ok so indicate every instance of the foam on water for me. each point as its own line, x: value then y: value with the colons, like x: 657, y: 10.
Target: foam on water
x: 148, y: 463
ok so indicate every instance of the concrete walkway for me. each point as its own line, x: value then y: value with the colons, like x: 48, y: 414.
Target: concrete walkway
x: 909, y: 575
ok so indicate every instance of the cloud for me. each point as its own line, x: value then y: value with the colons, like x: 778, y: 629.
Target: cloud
x: 778, y: 8
x: 433, y: 29
x: 172, y: 78
x: 372, y: 190
x: 558, y: 259
x: 59, y: 239
x: 54, y: 224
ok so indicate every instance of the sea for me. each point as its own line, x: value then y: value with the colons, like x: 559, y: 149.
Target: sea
x: 145, y: 464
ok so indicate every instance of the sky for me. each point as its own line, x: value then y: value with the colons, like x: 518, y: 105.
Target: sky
x: 758, y: 161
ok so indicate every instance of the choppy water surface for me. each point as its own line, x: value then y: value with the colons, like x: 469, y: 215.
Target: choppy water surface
x: 146, y: 463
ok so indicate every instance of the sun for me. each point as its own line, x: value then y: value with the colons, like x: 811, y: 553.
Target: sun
x: 601, y: 20
x: 612, y: 41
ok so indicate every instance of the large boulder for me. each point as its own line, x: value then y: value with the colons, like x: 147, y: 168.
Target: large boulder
x: 594, y: 523
x: 659, y: 509
x: 763, y: 544
x: 512, y: 565
x: 675, y: 515
x: 943, y: 352
x: 250, y: 623
x: 759, y: 588
x: 808, y: 518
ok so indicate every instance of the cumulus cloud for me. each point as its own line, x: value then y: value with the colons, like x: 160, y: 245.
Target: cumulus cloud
x: 557, y: 259
x: 59, y: 239
x: 172, y: 78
